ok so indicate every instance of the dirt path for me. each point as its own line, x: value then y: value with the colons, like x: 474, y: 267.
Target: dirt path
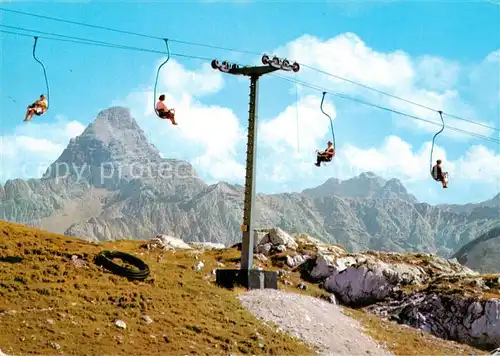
x: 314, y: 321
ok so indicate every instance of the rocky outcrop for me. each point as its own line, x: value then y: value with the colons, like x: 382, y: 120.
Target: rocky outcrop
x: 207, y: 245
x: 363, y: 279
x: 167, y: 243
x: 450, y: 317
x: 274, y: 237
x: 425, y: 291
x: 172, y: 243
x: 143, y: 194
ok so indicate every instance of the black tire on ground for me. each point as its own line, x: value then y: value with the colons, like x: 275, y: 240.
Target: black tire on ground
x: 105, y: 259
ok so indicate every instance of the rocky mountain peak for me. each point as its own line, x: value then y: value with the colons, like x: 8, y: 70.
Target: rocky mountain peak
x: 362, y: 186
x: 365, y: 185
x: 112, y: 124
x: 140, y: 194
x: 114, y: 136
x: 369, y: 178
x: 118, y: 136
x: 113, y: 147
x: 393, y: 188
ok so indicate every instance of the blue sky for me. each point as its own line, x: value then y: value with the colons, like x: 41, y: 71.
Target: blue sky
x: 440, y: 54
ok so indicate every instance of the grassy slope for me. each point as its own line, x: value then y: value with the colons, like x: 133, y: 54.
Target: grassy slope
x: 189, y: 313
x: 55, y: 302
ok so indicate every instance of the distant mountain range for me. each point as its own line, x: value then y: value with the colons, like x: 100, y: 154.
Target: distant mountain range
x: 100, y: 189
x: 483, y: 253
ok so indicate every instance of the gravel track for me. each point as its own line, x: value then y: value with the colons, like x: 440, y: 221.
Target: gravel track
x: 312, y: 320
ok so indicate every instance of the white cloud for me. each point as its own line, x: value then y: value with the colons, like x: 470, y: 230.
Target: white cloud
x: 485, y: 79
x: 281, y: 132
x: 397, y: 158
x: 429, y: 80
x: 450, y: 98
x: 60, y: 131
x: 436, y: 73
x: 394, y: 158
x: 211, y: 137
x: 221, y: 170
x: 480, y: 164
x: 287, y: 152
x: 33, y: 146
x: 280, y: 163
x: 346, y: 55
x: 207, y: 135
x: 212, y: 134
x: 175, y: 78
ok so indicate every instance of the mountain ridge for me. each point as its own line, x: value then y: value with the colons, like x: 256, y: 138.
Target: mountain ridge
x: 481, y: 254
x: 95, y: 189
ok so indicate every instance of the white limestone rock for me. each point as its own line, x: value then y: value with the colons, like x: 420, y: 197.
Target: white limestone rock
x: 168, y: 243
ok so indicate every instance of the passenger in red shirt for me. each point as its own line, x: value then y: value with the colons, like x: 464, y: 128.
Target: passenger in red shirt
x: 326, y: 155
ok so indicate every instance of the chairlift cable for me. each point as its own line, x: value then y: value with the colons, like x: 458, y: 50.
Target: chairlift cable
x: 44, y: 71
x: 434, y: 138
x: 111, y: 45
x: 248, y: 52
x: 158, y: 74
x: 360, y: 101
x: 330, y: 118
x: 297, y: 116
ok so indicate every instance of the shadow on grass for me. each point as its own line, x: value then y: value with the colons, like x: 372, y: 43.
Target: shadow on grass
x: 11, y: 259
